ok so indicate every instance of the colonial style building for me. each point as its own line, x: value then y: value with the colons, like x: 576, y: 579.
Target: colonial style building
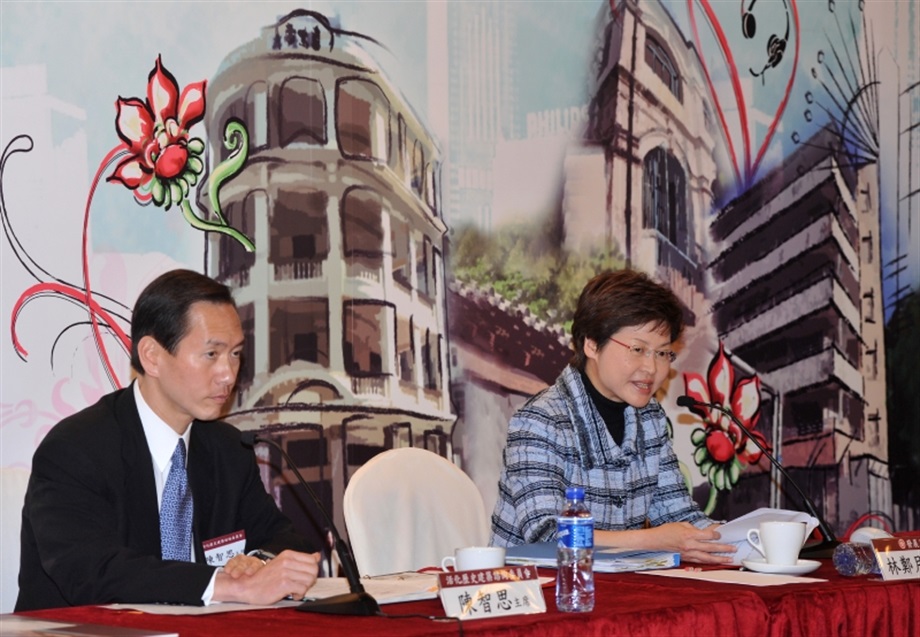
x: 649, y: 162
x: 343, y: 301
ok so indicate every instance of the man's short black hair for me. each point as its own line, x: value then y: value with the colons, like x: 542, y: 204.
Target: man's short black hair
x: 162, y: 308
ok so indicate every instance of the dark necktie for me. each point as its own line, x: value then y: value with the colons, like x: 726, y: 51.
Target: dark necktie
x: 176, y: 510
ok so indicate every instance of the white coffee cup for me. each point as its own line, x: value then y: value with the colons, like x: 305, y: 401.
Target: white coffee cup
x: 472, y: 558
x: 778, y: 542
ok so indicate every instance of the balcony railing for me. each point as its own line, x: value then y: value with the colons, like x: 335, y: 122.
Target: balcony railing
x: 373, y: 385
x: 359, y: 270
x: 298, y: 270
x: 671, y: 257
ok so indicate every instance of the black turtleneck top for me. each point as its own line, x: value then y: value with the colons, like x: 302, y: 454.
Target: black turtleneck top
x: 612, y: 412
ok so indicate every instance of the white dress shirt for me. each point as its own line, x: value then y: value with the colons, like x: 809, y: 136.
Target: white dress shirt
x: 161, y: 442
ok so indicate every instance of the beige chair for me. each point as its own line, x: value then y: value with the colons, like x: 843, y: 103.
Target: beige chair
x: 407, y: 508
x: 13, y: 483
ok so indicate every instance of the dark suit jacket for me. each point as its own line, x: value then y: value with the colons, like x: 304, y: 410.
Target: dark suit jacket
x: 90, y: 523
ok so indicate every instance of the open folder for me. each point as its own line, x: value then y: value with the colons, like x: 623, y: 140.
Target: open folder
x: 607, y: 559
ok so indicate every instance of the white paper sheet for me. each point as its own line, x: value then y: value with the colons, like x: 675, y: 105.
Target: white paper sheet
x: 735, y: 577
x: 177, y: 609
x: 386, y: 589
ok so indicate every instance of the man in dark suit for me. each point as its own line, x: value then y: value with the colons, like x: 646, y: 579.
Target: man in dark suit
x: 93, y: 528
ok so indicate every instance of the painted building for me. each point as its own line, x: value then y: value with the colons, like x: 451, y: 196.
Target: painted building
x: 500, y: 355
x: 649, y: 162
x: 343, y: 303
x: 797, y: 295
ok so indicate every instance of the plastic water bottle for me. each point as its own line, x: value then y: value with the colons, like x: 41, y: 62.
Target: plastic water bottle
x: 851, y: 559
x: 575, y: 555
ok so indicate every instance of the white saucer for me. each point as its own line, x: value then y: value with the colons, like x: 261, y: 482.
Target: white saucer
x: 799, y: 568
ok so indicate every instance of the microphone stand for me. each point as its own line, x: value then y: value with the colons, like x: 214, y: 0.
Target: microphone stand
x: 356, y: 602
x: 822, y: 549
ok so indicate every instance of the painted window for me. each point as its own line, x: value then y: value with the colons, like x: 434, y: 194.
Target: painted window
x: 301, y: 112
x: 400, y: 246
x: 362, y: 223
x: 362, y: 115
x: 421, y: 266
x: 664, y: 204
x: 299, y: 331
x: 418, y: 169
x: 661, y: 63
x: 362, y: 233
x: 405, y: 349
x: 431, y: 360
x: 233, y: 260
x: 364, y: 324
x: 431, y: 194
x: 400, y: 161
x: 299, y: 234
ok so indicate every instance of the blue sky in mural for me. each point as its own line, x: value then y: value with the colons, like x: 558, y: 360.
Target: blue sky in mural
x: 95, y: 52
x: 117, y: 45
x: 193, y: 38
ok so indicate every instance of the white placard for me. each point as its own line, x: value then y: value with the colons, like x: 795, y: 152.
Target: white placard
x: 491, y: 592
x: 898, y: 557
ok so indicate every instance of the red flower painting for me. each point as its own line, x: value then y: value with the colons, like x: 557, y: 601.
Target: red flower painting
x: 723, y: 450
x: 163, y: 161
x: 158, y: 160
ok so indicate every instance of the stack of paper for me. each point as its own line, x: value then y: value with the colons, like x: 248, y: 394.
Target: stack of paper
x: 607, y: 559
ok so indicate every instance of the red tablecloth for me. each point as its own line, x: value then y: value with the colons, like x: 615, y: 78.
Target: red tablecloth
x: 630, y: 604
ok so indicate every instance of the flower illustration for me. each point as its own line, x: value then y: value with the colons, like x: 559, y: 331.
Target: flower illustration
x: 163, y: 162
x: 160, y: 162
x: 723, y: 450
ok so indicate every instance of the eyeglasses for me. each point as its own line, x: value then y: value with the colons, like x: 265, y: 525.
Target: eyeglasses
x: 640, y: 351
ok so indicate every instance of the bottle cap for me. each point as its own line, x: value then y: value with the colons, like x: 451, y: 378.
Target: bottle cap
x: 575, y: 493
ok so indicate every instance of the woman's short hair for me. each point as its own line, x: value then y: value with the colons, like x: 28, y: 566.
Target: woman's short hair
x: 614, y: 300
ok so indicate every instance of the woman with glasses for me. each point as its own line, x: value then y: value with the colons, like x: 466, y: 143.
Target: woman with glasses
x: 600, y: 427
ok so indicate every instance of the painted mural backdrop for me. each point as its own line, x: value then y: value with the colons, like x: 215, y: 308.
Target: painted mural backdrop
x: 406, y: 199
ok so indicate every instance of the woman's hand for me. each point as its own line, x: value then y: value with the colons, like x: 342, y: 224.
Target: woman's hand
x: 693, y: 544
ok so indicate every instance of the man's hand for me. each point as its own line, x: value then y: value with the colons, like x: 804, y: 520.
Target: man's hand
x: 291, y: 573
x: 241, y: 565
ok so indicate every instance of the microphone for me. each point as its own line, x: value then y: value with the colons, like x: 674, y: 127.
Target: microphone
x: 825, y: 547
x: 358, y: 601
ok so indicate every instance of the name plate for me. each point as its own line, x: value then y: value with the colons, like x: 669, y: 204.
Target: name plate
x: 220, y: 550
x: 491, y: 592
x: 898, y: 557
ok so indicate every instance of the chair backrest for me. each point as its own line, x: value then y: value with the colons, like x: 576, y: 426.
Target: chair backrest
x: 407, y: 508
x: 13, y: 484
